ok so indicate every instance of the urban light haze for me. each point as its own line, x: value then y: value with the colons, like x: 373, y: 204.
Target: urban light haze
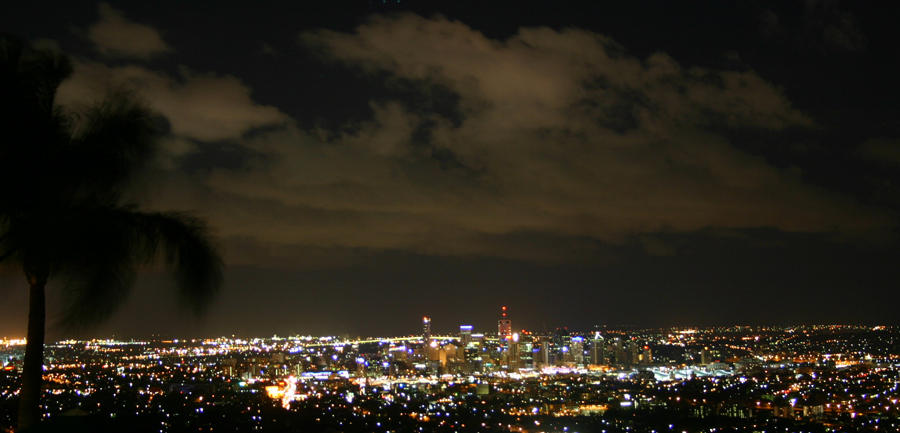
x: 364, y: 164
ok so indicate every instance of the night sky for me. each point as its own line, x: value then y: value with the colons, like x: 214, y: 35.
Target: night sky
x: 625, y: 163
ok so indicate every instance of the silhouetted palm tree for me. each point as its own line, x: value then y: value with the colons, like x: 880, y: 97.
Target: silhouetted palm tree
x: 62, y: 216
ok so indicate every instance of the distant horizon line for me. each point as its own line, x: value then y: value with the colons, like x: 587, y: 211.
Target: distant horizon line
x: 6, y: 340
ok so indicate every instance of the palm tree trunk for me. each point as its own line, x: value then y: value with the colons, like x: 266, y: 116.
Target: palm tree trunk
x: 32, y: 372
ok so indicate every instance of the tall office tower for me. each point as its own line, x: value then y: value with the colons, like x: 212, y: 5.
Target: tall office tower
x: 504, y: 326
x: 704, y: 356
x: 465, y: 338
x: 536, y: 352
x: 647, y: 356
x: 426, y: 329
x: 526, y: 351
x: 597, y: 350
x: 577, y: 348
x: 465, y: 335
x: 619, y: 353
x: 545, y: 352
x: 513, y: 357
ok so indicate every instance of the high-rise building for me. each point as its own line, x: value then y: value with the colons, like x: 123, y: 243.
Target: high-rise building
x: 620, y: 352
x: 504, y: 325
x: 426, y: 329
x: 465, y: 335
x: 465, y: 338
x: 577, y: 349
x: 634, y: 352
x: 597, y: 354
x: 647, y: 356
x: 526, y: 350
x: 513, y: 354
x: 545, y: 353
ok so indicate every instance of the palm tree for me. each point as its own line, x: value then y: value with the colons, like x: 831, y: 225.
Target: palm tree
x: 63, y: 217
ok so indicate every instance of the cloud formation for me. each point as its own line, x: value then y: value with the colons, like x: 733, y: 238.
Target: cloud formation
x: 562, y: 141
x: 204, y: 107
x: 116, y: 36
x: 557, y: 142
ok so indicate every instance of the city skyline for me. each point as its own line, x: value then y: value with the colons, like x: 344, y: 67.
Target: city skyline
x: 363, y: 164
x: 500, y: 327
x: 819, y: 379
x: 449, y: 216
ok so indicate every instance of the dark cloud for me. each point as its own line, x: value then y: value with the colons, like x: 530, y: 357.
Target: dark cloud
x: 198, y: 106
x: 114, y: 35
x: 533, y: 148
x: 559, y: 132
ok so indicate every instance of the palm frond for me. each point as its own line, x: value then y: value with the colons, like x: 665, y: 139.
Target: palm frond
x: 31, y: 75
x: 188, y: 251
x: 115, y: 138
x: 95, y: 252
x: 32, y: 128
x: 102, y: 259
x: 94, y: 290
x: 61, y: 182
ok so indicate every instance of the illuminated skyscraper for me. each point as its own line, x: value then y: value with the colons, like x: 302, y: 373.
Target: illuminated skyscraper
x: 545, y: 353
x: 577, y: 349
x: 426, y: 329
x: 513, y: 354
x: 504, y: 326
x: 465, y: 335
x: 647, y: 356
x: 465, y: 338
x: 620, y: 354
x: 597, y: 354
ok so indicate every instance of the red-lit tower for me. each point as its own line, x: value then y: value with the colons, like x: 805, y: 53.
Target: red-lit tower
x: 504, y: 325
